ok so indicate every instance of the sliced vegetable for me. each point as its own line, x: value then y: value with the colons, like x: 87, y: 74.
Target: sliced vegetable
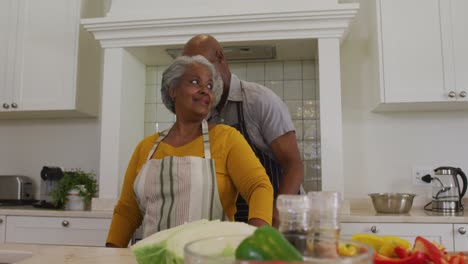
x: 460, y: 258
x: 425, y: 246
x: 415, y: 258
x: 390, y: 243
x: 267, y: 243
x: 397, y: 241
x: 372, y: 240
x: 347, y: 250
x: 401, y: 252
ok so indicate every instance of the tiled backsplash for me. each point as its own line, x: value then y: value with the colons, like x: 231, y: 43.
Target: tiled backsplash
x: 294, y: 81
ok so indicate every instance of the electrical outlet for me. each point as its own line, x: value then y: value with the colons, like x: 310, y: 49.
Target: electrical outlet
x: 418, y: 173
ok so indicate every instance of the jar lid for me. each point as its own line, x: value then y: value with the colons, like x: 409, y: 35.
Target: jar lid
x: 292, y: 202
x: 325, y: 205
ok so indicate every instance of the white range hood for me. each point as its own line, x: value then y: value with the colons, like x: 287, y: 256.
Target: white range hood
x: 131, y: 25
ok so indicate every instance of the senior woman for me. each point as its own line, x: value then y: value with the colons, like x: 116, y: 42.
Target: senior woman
x: 193, y: 170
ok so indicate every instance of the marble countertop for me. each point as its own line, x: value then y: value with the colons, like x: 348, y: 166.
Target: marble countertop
x: 71, y: 254
x: 28, y: 210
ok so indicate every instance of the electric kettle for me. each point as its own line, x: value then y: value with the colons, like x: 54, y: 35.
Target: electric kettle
x: 447, y: 193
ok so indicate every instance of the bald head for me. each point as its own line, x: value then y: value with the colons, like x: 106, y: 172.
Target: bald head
x: 205, y: 45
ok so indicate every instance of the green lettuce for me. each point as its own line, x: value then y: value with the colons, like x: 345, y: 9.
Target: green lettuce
x: 167, y: 247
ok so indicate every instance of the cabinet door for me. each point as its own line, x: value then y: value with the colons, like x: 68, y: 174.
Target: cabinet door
x: 441, y: 233
x: 46, y: 58
x: 8, y: 22
x: 411, y: 51
x: 2, y: 228
x: 460, y: 237
x: 57, y: 230
x: 460, y: 47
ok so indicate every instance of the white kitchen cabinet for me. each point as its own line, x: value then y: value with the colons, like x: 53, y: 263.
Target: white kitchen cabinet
x: 422, y: 54
x: 459, y: 24
x: 8, y: 25
x: 2, y: 228
x: 57, y: 230
x: 42, y: 70
x: 441, y: 233
x: 460, y: 237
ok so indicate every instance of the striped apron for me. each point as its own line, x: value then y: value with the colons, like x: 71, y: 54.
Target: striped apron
x: 272, y: 167
x: 175, y: 190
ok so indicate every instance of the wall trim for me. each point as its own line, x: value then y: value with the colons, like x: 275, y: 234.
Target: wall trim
x: 114, y: 32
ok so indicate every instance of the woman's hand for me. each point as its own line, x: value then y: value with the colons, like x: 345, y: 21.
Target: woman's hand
x: 257, y: 222
x: 111, y: 245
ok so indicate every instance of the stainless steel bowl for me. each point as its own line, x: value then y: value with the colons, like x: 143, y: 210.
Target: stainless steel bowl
x: 392, y: 203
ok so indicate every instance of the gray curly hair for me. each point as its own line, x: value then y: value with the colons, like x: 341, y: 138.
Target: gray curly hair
x: 174, y: 72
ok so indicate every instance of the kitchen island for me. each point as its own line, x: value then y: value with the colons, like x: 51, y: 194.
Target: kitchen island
x: 51, y: 254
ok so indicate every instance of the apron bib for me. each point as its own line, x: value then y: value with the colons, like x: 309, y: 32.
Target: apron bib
x: 176, y: 190
x: 234, y: 115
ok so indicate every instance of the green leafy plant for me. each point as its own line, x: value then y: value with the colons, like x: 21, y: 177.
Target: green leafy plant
x: 75, y: 179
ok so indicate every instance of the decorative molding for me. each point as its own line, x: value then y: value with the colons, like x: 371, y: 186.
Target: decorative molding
x: 113, y: 32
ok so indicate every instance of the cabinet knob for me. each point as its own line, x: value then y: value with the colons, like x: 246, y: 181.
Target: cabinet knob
x: 6, y: 106
x: 462, y: 230
x: 462, y: 94
x: 14, y: 105
x: 373, y: 229
x: 65, y: 223
x: 452, y: 94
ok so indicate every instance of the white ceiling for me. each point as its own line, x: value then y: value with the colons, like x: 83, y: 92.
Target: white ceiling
x: 292, y: 49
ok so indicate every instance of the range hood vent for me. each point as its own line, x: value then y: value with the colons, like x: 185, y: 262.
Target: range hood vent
x: 240, y: 53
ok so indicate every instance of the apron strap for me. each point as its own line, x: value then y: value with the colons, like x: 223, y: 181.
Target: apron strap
x: 206, y: 140
x: 162, y: 135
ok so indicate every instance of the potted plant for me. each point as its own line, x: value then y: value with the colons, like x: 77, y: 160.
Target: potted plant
x: 75, y: 190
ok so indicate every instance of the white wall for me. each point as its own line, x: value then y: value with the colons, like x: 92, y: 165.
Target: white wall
x: 380, y: 149
x: 27, y: 145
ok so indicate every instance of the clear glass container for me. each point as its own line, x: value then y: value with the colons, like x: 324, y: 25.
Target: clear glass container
x: 325, y: 210
x: 222, y: 250
x: 294, y: 219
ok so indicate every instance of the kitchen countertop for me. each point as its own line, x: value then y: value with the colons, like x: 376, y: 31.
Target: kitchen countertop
x: 366, y: 215
x: 28, y: 210
x: 71, y: 254
x: 359, y: 215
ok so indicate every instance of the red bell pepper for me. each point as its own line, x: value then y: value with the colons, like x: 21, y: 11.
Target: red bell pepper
x: 460, y: 258
x: 415, y: 258
x: 425, y: 246
x: 401, y: 252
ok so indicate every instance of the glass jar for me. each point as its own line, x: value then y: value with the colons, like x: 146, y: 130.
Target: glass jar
x: 294, y: 219
x: 325, y: 210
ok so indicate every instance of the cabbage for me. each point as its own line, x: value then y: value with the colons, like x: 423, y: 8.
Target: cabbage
x: 167, y: 247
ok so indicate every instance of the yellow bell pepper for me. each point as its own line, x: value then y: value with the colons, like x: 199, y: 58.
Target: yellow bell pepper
x: 347, y: 250
x: 372, y: 240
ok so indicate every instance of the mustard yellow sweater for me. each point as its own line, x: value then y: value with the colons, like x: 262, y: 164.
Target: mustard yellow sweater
x: 237, y: 171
